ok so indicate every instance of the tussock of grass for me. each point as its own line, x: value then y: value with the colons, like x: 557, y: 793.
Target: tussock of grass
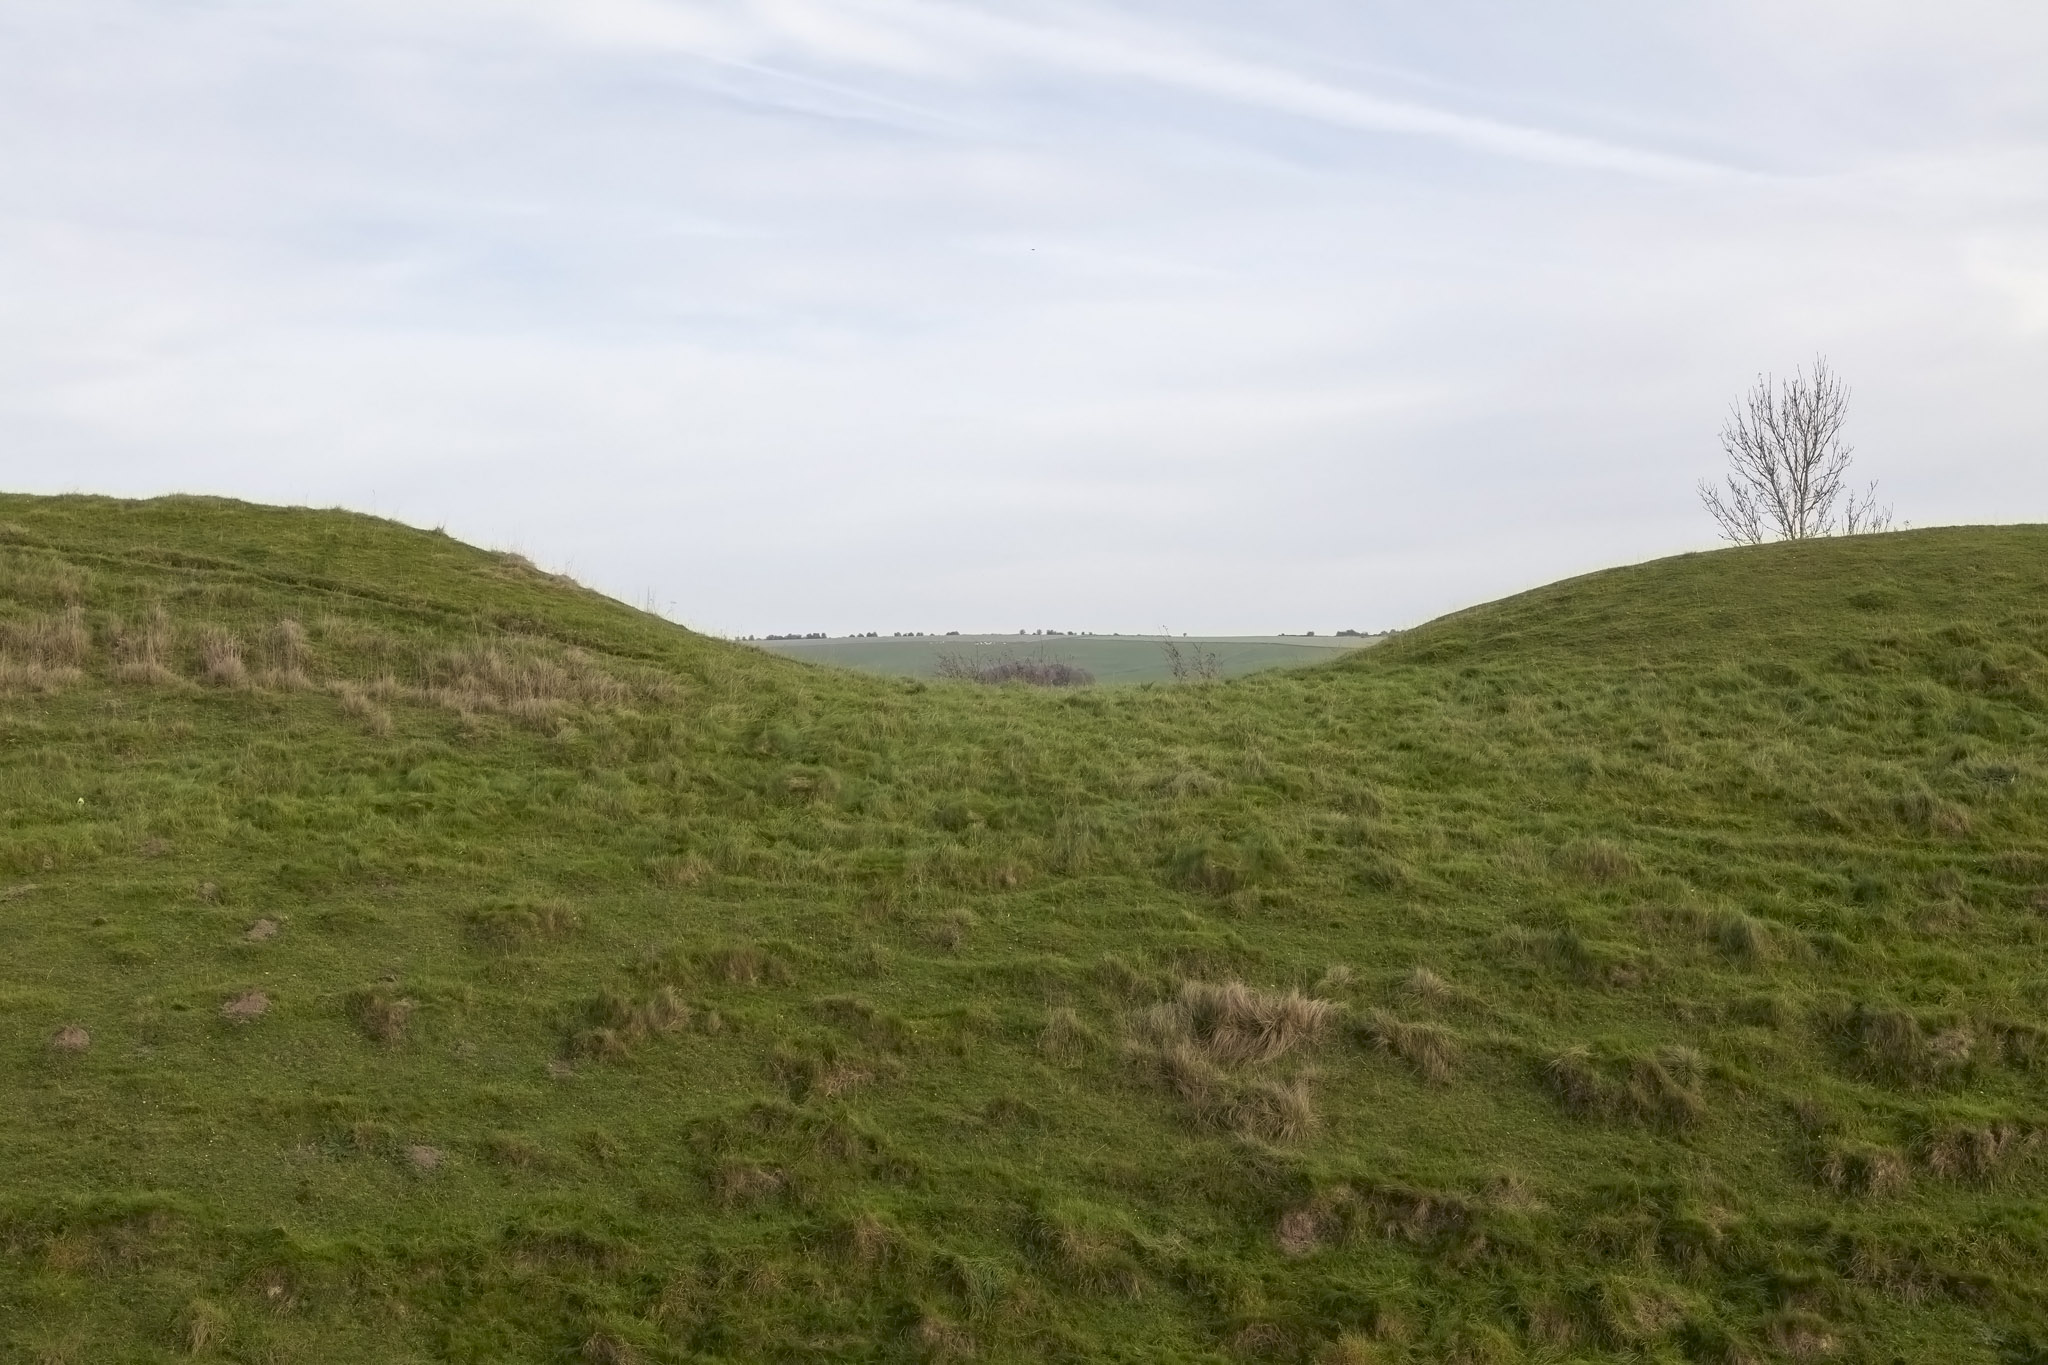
x: 1426, y: 987
x: 1661, y: 1089
x: 604, y: 1347
x: 748, y: 964
x: 1599, y: 861
x: 1351, y: 1349
x: 43, y: 653
x: 381, y: 1014
x: 513, y: 1152
x: 870, y: 1241
x: 220, y: 658
x: 1979, y: 1151
x: 1232, y: 1024
x: 1078, y: 1250
x: 1066, y: 1038
x: 359, y: 705
x: 1861, y: 1168
x: 1594, y: 961
x: 1265, y: 1108
x: 203, y: 1327
x: 512, y: 925
x: 1894, y: 1046
x: 614, y: 1023
x: 1430, y: 1049
x: 950, y: 930
x: 739, y: 1183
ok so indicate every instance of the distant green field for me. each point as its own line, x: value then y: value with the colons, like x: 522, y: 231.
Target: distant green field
x: 1111, y: 658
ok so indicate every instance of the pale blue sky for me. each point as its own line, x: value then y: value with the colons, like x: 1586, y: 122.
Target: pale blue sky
x: 880, y: 314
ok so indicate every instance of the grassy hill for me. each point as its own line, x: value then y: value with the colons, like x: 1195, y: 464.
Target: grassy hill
x: 1107, y: 658
x: 414, y: 957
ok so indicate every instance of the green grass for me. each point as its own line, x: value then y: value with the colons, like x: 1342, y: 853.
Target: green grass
x: 1650, y: 967
x: 1109, y: 658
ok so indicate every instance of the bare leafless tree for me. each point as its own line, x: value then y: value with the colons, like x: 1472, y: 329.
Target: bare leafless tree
x: 1788, y: 464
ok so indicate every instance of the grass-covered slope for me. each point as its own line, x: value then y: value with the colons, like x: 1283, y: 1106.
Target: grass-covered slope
x: 412, y: 957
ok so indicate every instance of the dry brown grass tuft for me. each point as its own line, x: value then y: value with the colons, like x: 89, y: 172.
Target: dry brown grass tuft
x: 949, y: 931
x: 17, y: 675
x: 1861, y: 1169
x: 1262, y: 1341
x: 1893, y: 1045
x: 1427, y: 987
x: 380, y: 1014
x: 1336, y: 977
x: 142, y: 653
x: 1979, y: 1151
x: 1350, y: 1349
x: 614, y: 1024
x: 289, y: 654
x: 1803, y: 1336
x: 1233, y: 1024
x: 71, y: 1038
x: 1066, y: 1038
x: 507, y: 927
x: 261, y: 931
x: 250, y: 1004
x: 748, y: 964
x: 60, y: 640
x: 530, y: 680
x: 1299, y: 1232
x: 870, y: 1241
x: 1199, y: 1043
x: 739, y: 1183
x: 1274, y: 1110
x: 940, y: 1339
x: 1094, y: 1259
x: 1599, y: 861
x: 513, y: 1152
x: 1661, y: 1090
x: 1264, y: 1108
x: 1742, y: 937
x: 220, y: 658
x: 358, y: 703
x: 203, y: 1327
x: 607, y: 1348
x: 1431, y: 1049
x: 43, y: 653
x: 423, y: 1158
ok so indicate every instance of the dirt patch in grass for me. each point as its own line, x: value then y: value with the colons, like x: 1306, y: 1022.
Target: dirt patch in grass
x: 246, y: 1006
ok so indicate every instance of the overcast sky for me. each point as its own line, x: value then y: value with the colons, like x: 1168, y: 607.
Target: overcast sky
x: 894, y: 314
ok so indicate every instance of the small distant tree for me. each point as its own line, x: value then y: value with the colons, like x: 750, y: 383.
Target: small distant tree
x: 1190, y: 663
x: 1788, y: 465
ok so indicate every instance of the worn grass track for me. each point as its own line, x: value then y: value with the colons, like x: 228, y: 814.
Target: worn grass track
x: 410, y: 956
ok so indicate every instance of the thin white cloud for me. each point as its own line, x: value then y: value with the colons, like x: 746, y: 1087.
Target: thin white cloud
x: 957, y: 42
x: 1131, y: 51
